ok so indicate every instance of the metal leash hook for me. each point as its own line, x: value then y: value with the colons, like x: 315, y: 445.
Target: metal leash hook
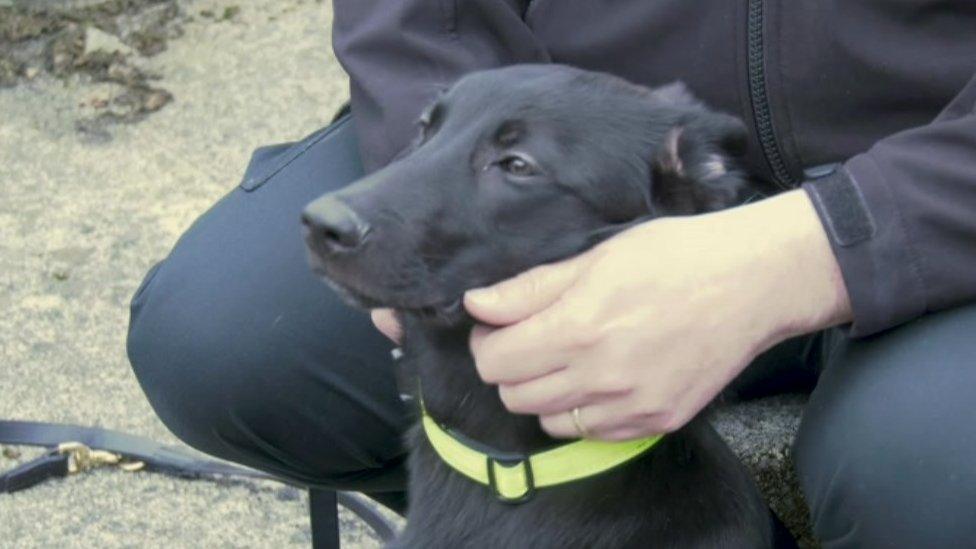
x: 82, y: 458
x: 131, y: 453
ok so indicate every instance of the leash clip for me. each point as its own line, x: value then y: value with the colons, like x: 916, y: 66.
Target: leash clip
x: 82, y: 458
x: 509, y: 462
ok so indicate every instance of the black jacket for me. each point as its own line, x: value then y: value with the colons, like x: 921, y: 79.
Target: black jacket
x: 885, y: 89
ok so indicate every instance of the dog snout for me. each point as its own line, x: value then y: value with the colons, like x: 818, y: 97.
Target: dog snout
x: 333, y: 227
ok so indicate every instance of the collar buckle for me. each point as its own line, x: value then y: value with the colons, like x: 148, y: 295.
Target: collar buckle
x: 504, y: 465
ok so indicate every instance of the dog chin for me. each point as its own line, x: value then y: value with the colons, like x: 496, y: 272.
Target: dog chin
x: 352, y: 297
x: 449, y: 312
x: 444, y: 314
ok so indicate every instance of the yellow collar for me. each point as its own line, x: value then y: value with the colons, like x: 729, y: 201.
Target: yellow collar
x: 514, y: 477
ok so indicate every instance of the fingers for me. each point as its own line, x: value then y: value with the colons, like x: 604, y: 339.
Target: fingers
x: 556, y: 392
x: 386, y: 322
x: 560, y: 390
x: 610, y: 419
x: 520, y: 297
x: 532, y: 348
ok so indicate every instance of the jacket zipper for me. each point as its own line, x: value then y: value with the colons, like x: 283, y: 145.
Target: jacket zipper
x: 760, y: 100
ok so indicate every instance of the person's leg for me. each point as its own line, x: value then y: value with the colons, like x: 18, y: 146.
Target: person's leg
x: 886, y: 452
x: 245, y: 355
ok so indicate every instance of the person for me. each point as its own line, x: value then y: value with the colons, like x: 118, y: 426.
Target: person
x: 863, y: 268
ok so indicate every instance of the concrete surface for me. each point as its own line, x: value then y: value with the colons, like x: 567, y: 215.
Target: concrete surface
x: 83, y: 216
x: 761, y: 433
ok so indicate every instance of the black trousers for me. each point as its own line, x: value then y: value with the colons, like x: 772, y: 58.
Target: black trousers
x: 245, y: 355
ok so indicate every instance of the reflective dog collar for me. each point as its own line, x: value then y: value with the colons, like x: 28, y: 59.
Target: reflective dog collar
x: 514, y: 477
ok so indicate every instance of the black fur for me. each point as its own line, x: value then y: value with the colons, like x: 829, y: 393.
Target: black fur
x: 454, y: 214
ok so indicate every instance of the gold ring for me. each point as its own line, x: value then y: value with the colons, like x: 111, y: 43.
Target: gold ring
x: 583, y: 433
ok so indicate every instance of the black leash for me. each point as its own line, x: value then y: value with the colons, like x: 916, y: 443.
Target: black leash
x: 75, y: 449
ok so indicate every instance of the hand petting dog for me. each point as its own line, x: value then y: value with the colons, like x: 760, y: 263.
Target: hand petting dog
x: 641, y: 332
x: 608, y: 302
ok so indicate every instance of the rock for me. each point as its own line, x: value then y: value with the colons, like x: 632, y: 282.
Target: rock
x: 147, y: 30
x: 97, y: 40
x: 156, y: 100
x: 230, y: 12
x: 122, y: 73
x: 8, y: 72
x: 56, y: 5
x: 63, y: 49
x: 147, y: 19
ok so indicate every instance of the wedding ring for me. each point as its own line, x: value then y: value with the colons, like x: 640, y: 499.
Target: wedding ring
x: 579, y: 423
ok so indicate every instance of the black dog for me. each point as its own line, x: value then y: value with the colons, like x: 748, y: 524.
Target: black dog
x: 513, y: 168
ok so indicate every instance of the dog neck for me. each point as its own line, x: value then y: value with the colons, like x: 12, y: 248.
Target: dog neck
x: 456, y: 397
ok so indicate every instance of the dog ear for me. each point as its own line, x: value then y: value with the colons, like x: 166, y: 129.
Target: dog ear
x: 693, y: 169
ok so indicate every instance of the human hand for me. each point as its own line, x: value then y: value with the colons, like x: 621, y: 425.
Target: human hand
x: 643, y: 330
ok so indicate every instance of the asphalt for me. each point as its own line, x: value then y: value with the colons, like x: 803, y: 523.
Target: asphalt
x: 86, y: 209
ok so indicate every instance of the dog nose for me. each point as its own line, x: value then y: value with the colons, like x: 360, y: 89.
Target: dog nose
x: 333, y: 226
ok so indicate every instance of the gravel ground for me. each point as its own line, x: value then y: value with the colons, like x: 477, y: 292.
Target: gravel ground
x: 86, y: 208
x: 83, y: 216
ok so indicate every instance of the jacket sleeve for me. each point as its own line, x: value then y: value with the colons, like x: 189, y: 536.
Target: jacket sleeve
x: 901, y: 219
x: 400, y: 53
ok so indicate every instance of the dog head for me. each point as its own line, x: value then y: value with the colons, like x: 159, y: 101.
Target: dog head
x: 516, y: 167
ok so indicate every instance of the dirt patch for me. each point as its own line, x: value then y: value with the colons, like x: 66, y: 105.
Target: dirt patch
x: 96, y: 41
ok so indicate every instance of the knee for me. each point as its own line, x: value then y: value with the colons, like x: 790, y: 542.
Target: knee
x: 844, y: 475
x: 312, y: 402
x: 884, y: 452
x: 177, y: 361
x: 870, y: 485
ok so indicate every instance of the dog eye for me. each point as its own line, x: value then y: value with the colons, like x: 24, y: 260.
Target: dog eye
x: 518, y: 166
